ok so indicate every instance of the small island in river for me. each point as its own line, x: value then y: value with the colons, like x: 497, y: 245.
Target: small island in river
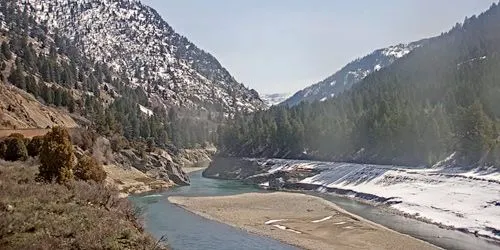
x: 301, y: 220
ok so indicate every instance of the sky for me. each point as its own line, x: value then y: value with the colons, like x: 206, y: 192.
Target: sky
x: 282, y: 46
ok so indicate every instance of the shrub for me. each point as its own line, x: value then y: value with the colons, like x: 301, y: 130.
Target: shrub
x: 15, y: 150
x: 34, y: 147
x: 83, y: 138
x: 3, y: 149
x: 16, y: 135
x: 77, y: 215
x: 118, y: 143
x: 56, y: 156
x: 89, y: 169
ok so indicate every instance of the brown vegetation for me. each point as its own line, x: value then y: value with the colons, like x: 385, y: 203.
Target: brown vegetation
x: 77, y: 215
x: 88, y: 169
x: 34, y: 147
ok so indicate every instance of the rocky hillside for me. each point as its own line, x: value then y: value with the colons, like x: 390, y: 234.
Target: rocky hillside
x: 352, y: 73
x: 20, y: 110
x: 135, y: 40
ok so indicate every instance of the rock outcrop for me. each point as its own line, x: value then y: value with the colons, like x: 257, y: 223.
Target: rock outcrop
x: 155, y: 165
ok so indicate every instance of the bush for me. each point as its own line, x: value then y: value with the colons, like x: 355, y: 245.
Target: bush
x: 118, y: 143
x: 3, y: 149
x: 56, y: 156
x: 89, y: 169
x: 16, y: 135
x: 15, y: 150
x: 34, y: 147
x: 77, y: 215
x: 83, y: 138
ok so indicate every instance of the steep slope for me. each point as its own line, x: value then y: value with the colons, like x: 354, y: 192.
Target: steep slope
x: 19, y: 110
x: 352, y: 73
x: 45, y: 81
x: 441, y: 99
x: 135, y: 40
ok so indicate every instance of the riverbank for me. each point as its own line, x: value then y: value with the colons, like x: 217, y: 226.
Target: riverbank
x: 76, y: 215
x: 298, y: 219
x: 450, y: 197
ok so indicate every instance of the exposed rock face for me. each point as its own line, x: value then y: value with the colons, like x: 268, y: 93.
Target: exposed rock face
x: 234, y: 168
x: 20, y: 110
x: 154, y: 165
x: 256, y: 172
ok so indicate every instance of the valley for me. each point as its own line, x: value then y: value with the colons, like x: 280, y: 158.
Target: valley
x: 109, y: 118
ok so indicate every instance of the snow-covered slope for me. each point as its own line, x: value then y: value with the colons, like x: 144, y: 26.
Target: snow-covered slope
x: 274, y: 99
x: 352, y: 73
x: 463, y: 199
x: 135, y: 40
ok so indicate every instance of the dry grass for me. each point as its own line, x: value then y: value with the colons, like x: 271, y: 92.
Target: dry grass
x: 78, y: 215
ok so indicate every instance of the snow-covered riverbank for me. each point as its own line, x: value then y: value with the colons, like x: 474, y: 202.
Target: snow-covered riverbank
x: 466, y: 200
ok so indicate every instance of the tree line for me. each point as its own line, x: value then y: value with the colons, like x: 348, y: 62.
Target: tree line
x: 440, y: 99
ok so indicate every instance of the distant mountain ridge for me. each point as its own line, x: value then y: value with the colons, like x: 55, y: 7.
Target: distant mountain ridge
x: 135, y: 40
x: 274, y: 99
x: 352, y: 73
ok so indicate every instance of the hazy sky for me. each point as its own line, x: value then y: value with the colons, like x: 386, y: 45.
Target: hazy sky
x: 277, y: 46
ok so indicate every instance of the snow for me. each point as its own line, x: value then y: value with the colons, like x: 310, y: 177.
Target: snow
x: 466, y: 199
x: 397, y: 51
x: 145, y: 110
x: 472, y: 60
x: 131, y: 38
x: 287, y: 229
x: 321, y: 220
x: 377, y: 67
x: 269, y: 222
x: 323, y: 99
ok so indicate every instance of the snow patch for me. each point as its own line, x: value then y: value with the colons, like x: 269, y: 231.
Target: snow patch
x: 287, y: 229
x: 273, y: 221
x: 321, y: 220
x: 461, y: 198
x: 145, y: 110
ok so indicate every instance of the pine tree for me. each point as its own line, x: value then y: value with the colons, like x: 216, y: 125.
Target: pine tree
x: 5, y: 50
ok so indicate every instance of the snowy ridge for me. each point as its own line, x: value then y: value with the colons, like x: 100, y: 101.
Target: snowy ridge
x: 464, y: 199
x: 274, y: 99
x: 352, y: 73
x: 134, y: 39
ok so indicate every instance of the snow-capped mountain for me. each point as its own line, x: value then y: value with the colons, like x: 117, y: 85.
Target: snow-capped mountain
x: 352, y: 73
x: 136, y: 41
x: 274, y: 99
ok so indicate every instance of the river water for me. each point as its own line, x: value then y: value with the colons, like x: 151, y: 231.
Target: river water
x: 185, y: 230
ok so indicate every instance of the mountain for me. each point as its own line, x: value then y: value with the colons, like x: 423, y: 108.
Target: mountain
x: 352, y: 73
x: 274, y: 99
x: 134, y: 40
x: 114, y: 67
x: 438, y: 102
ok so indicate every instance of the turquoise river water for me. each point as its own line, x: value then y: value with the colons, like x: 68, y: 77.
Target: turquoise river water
x: 185, y: 230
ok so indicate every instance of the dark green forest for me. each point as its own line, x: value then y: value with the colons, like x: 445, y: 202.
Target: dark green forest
x: 53, y: 70
x: 443, y: 97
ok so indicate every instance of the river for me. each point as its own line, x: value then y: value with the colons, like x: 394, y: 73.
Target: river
x: 185, y: 230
